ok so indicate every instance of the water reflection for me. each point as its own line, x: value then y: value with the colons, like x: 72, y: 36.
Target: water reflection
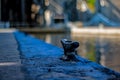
x: 104, y: 51
x: 53, y: 38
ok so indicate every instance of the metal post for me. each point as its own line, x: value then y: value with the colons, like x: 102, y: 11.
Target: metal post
x: 98, y: 6
x: 23, y: 11
x: 0, y: 9
x: 44, y: 8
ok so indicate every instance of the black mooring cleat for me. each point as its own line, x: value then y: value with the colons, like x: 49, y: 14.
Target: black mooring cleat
x: 69, y: 50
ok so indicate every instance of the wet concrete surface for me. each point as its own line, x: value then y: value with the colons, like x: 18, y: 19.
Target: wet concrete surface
x: 10, y: 63
x: 41, y: 61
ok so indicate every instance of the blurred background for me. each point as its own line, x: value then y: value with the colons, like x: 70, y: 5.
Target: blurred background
x: 95, y: 24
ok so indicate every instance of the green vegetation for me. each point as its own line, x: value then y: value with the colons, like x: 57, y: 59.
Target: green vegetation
x: 91, y: 5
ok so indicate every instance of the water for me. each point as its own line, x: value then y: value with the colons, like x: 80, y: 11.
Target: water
x: 105, y: 51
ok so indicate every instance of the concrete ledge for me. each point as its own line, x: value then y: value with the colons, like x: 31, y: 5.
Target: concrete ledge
x: 41, y: 62
x: 10, y: 62
x: 43, y: 30
x: 2, y: 30
x: 103, y: 31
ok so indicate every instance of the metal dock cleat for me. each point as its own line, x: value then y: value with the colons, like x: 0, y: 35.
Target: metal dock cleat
x: 69, y: 50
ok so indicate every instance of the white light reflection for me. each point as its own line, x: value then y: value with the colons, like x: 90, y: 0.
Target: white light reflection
x: 8, y: 63
x: 102, y: 3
